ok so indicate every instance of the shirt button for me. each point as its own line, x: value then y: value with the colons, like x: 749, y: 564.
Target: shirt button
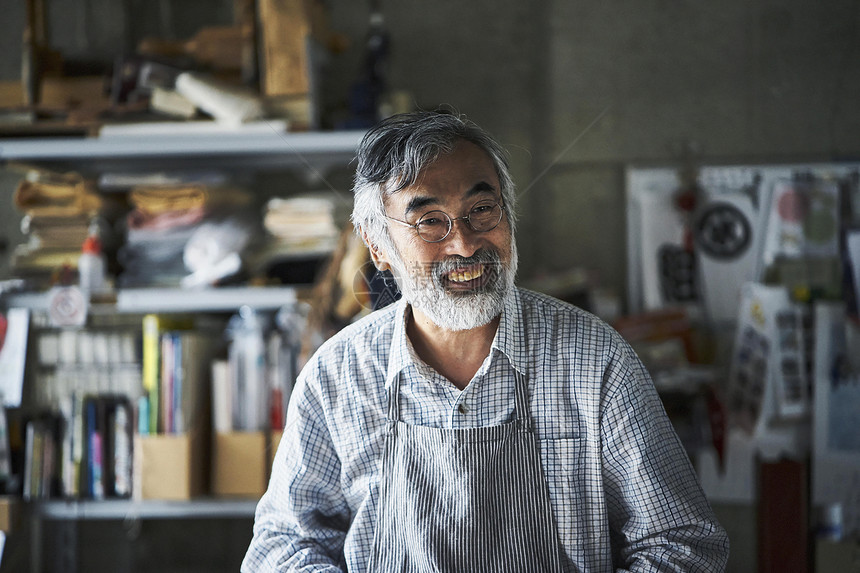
x: 462, y: 408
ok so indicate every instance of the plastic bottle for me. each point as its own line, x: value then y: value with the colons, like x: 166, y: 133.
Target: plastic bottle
x: 92, y: 265
x: 248, y: 371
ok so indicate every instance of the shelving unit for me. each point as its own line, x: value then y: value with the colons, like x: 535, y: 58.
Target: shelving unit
x: 249, y: 149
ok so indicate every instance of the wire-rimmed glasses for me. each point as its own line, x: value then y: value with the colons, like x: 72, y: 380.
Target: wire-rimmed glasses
x: 435, y: 226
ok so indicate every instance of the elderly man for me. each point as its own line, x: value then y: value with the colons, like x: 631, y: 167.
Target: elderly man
x: 472, y: 426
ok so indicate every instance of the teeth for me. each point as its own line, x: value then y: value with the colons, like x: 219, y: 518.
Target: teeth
x: 463, y: 276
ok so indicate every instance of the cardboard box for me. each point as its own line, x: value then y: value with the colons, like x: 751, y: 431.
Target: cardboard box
x: 8, y: 513
x: 273, y: 447
x: 170, y: 466
x: 285, y: 29
x: 74, y: 92
x: 239, y: 464
x: 12, y: 93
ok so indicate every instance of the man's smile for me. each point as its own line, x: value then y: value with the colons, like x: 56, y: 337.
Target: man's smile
x: 465, y: 274
x: 466, y: 278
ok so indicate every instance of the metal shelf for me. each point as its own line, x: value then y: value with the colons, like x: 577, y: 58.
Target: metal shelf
x: 215, y: 299
x: 121, y: 509
x: 256, y: 146
x: 174, y: 300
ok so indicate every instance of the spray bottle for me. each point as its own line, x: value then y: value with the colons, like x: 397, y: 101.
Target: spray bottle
x: 92, y: 265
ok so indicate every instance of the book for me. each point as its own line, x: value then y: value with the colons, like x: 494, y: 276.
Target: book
x: 222, y: 402
x: 121, y: 426
x: 166, y: 408
x: 68, y: 470
x: 193, y: 398
x: 116, y: 446
x: 93, y: 484
x: 40, y: 463
x: 150, y: 374
x: 29, y: 460
x: 154, y: 326
x: 107, y: 423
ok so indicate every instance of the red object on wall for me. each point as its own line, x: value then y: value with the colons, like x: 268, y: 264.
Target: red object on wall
x: 783, y: 518
x: 4, y: 324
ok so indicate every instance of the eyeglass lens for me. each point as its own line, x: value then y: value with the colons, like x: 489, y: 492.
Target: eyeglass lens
x: 435, y: 225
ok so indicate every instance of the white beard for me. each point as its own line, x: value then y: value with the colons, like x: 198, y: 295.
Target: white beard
x: 423, y: 288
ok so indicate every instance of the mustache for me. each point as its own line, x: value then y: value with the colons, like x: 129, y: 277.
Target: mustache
x: 490, y: 258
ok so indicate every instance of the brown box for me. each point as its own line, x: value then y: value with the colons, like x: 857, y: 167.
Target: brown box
x: 12, y: 94
x: 74, y: 92
x: 239, y: 464
x: 8, y: 513
x: 273, y: 447
x: 170, y: 466
x: 288, y: 29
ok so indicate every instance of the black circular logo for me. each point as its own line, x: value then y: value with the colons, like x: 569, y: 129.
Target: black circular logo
x: 723, y: 231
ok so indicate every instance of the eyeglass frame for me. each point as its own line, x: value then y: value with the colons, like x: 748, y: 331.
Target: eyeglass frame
x: 452, y: 220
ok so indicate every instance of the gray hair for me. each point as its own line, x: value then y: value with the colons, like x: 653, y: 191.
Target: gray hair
x: 392, y: 155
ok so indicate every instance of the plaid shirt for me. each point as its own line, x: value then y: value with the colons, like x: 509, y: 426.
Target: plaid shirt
x: 623, y: 492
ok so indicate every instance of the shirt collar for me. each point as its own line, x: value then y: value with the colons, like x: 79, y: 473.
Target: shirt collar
x: 398, y: 357
x: 509, y: 339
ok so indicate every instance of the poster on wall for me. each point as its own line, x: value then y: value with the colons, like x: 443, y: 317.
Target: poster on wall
x: 802, y: 220
x: 768, y: 377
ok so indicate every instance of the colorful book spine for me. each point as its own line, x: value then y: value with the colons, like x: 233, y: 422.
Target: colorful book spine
x: 166, y: 394
x: 177, y: 417
x: 151, y: 367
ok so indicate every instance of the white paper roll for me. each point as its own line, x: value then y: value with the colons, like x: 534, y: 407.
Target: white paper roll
x: 224, y: 103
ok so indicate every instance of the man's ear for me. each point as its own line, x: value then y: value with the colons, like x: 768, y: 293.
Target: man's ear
x: 379, y: 258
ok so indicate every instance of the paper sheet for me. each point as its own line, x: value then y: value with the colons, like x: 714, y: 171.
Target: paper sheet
x: 13, y: 356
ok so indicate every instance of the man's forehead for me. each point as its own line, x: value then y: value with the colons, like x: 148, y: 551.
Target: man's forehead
x: 466, y: 170
x: 416, y: 198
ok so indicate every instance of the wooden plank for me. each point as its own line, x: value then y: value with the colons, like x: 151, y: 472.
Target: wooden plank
x: 285, y: 28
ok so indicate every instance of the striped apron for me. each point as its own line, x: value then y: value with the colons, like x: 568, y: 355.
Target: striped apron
x: 463, y: 500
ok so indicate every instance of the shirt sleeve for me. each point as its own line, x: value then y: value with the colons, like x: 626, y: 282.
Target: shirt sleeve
x: 302, y: 519
x: 660, y: 520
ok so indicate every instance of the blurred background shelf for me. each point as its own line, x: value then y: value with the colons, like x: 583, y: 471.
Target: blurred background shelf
x: 149, y: 509
x: 175, y: 300
x: 183, y: 146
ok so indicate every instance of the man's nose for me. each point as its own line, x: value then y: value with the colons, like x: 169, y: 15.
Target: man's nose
x: 462, y: 240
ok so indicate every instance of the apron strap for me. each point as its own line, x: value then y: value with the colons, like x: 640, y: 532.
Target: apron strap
x: 523, y: 411
x: 394, y: 401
